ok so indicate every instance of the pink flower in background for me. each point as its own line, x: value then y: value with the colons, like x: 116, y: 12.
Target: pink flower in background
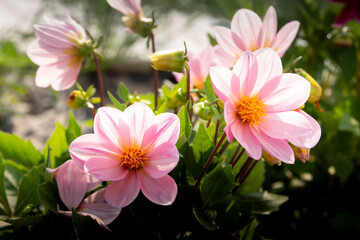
x: 57, y: 52
x: 73, y: 183
x: 131, y: 8
x: 259, y: 104
x: 249, y: 33
x: 199, y: 65
x: 351, y: 10
x: 133, y: 150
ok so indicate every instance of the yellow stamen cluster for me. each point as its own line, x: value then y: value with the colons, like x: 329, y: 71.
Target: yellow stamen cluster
x: 250, y: 110
x: 133, y: 158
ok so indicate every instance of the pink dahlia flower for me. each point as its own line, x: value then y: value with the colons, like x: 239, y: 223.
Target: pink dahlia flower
x: 133, y: 150
x: 199, y: 64
x: 247, y: 32
x: 131, y: 8
x: 351, y: 10
x: 259, y: 104
x: 73, y: 183
x: 57, y: 52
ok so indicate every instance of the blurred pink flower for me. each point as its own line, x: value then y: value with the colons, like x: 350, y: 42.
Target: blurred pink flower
x: 131, y: 8
x: 259, y: 104
x: 73, y: 183
x: 199, y: 64
x: 351, y: 10
x: 57, y: 52
x: 133, y: 150
x: 249, y: 33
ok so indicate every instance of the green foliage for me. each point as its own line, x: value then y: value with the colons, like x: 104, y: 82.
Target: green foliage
x: 3, y: 199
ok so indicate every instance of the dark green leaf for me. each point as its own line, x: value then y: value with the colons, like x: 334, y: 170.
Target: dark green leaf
x: 48, y: 195
x: 116, y: 103
x: 209, y: 91
x: 185, y: 124
x: 255, y: 180
x: 247, y: 232
x: 204, y: 219
x: 264, y: 202
x: 87, y: 228
x: 202, y: 145
x: 28, y: 220
x: 73, y: 129
x: 14, y: 148
x: 217, y: 185
x: 58, y: 146
x: 3, y: 199
x: 27, y: 189
x: 123, y: 92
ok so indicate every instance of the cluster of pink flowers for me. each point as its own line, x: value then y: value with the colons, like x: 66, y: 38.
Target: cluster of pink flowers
x: 135, y: 150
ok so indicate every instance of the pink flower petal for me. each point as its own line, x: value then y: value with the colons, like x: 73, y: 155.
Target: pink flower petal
x: 139, y: 117
x: 96, y: 205
x: 123, y: 192
x: 89, y: 146
x: 285, y: 37
x: 224, y: 38
x: 161, y: 191
x: 72, y: 184
x: 42, y: 54
x: 230, y: 118
x: 246, y: 70
x: 246, y: 138
x: 268, y: 29
x: 225, y: 58
x: 310, y: 140
x: 106, y: 169
x: 220, y: 79
x: 269, y: 66
x: 247, y: 24
x: 283, y: 125
x: 278, y: 148
x: 291, y: 94
x: 161, y: 160
x: 67, y: 80
x: 127, y: 7
x: 110, y: 127
x: 52, y: 36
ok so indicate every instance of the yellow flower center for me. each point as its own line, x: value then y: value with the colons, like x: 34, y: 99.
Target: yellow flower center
x: 133, y: 158
x: 250, y: 110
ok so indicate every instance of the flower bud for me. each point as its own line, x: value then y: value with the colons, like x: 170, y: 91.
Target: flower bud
x: 270, y: 159
x: 76, y: 100
x: 204, y: 110
x: 303, y: 154
x: 176, y: 100
x: 142, y: 26
x: 169, y: 60
x: 316, y: 90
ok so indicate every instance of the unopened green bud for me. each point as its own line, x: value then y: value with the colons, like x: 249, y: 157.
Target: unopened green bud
x: 316, y: 90
x: 142, y: 26
x: 204, y: 110
x: 169, y: 60
x: 76, y: 100
x: 177, y: 99
x: 270, y: 159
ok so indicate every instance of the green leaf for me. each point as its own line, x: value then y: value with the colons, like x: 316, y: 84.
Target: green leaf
x: 27, y: 189
x: 255, y: 180
x: 209, y: 91
x: 3, y: 199
x: 202, y: 144
x: 14, y: 148
x: 349, y: 124
x: 48, y: 195
x: 58, y: 147
x: 123, y: 92
x: 116, y: 103
x: 217, y: 185
x: 185, y: 124
x: 247, y: 232
x: 87, y: 228
x: 73, y: 129
x: 205, y: 219
x: 28, y: 220
x: 264, y: 202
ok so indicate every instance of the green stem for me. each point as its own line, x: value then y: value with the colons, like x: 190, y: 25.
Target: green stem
x: 156, y: 73
x: 100, y: 80
x: 188, y: 99
x: 216, y: 131
x: 207, y: 164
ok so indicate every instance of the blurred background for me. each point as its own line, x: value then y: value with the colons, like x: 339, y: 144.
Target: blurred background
x: 324, y: 193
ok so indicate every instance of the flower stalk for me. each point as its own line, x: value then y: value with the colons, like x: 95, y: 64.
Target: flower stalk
x: 99, y: 77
